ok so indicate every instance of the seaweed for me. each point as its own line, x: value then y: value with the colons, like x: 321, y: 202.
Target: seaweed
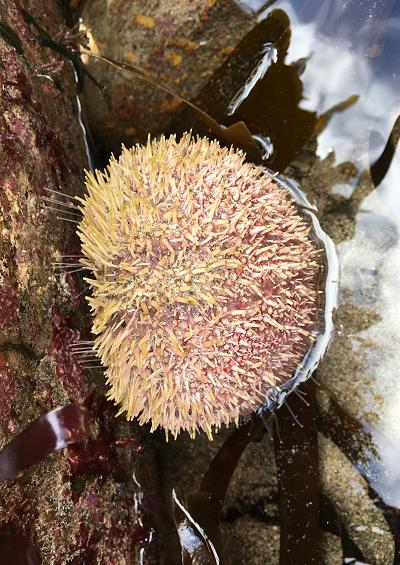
x: 198, y: 515
x: 298, y: 486
x: 48, y: 433
x: 379, y: 168
x: 17, y: 550
x: 46, y: 40
x: 9, y: 35
x: 237, y: 134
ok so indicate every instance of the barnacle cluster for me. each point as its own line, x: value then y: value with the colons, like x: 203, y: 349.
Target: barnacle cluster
x: 205, y: 282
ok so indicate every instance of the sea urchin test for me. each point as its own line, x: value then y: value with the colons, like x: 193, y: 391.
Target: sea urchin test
x: 205, y: 283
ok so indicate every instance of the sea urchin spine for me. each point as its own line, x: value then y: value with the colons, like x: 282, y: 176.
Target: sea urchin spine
x: 205, y: 282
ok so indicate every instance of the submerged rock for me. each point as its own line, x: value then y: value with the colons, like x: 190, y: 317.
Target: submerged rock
x: 178, y: 43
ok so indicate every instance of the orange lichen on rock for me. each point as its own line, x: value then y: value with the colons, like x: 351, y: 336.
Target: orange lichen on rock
x: 174, y: 58
x: 145, y: 21
x: 205, y: 282
x: 182, y: 43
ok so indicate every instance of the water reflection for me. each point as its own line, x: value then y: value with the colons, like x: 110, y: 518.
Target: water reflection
x: 349, y: 49
x: 329, y: 104
x: 340, y: 64
x: 343, y: 60
x: 370, y: 270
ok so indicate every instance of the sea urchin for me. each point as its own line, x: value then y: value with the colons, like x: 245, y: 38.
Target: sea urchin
x: 205, y: 282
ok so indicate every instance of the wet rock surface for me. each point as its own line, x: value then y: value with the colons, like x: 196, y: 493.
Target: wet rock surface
x: 178, y: 43
x: 67, y: 516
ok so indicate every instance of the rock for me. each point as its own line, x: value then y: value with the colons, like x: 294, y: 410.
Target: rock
x: 251, y: 541
x: 78, y: 505
x: 166, y: 39
x: 348, y: 491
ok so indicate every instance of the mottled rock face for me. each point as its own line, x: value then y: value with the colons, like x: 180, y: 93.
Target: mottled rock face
x: 41, y: 148
x: 179, y: 43
x: 89, y: 518
x: 205, y: 283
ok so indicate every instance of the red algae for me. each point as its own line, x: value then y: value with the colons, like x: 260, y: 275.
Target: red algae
x: 43, y: 149
x: 8, y: 393
x: 9, y: 298
x: 68, y: 367
x: 97, y: 457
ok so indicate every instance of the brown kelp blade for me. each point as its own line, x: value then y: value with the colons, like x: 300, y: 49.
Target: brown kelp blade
x: 215, y: 482
x: 324, y: 118
x: 298, y: 479
x: 237, y: 134
x: 197, y: 515
x: 380, y: 167
x: 196, y: 545
x: 50, y: 432
x: 17, y: 550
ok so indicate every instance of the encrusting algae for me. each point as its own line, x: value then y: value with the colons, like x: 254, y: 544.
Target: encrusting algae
x: 205, y: 283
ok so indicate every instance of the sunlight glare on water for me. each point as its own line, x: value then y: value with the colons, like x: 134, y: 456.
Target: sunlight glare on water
x: 350, y: 49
